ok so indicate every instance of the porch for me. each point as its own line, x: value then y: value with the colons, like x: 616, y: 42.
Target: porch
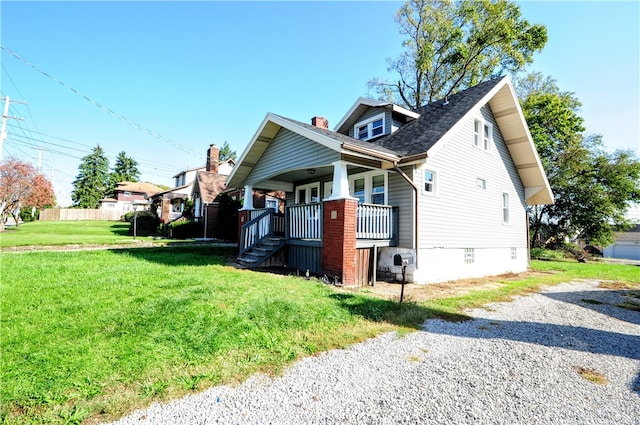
x: 322, y: 238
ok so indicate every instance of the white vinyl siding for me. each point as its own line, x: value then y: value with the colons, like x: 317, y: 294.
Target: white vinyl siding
x: 401, y: 195
x: 286, y: 149
x: 461, y: 216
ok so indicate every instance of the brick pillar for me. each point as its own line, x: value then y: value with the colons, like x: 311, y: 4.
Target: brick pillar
x: 243, y: 217
x: 339, y: 239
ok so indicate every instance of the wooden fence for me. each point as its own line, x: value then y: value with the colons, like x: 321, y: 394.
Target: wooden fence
x: 77, y: 214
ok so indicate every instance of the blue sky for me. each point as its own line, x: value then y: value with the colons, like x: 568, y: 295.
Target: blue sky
x: 178, y: 76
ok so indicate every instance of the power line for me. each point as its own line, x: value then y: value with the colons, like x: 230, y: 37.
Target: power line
x: 99, y: 105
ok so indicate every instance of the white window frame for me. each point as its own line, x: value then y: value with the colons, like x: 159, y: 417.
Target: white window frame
x: 481, y: 184
x: 369, y: 124
x: 434, y: 184
x: 481, y: 141
x: 514, y: 253
x: 506, y: 208
x: 272, y: 200
x: 307, y: 194
x: 368, y: 185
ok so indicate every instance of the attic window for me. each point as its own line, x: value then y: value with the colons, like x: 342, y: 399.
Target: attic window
x: 482, y: 134
x: 368, y: 129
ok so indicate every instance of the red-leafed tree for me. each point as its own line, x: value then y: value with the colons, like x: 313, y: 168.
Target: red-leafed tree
x: 22, y: 186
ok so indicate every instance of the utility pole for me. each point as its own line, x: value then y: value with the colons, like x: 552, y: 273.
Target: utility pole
x: 5, y: 117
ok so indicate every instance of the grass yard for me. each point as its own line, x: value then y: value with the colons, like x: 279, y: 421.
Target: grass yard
x: 66, y: 233
x: 92, y: 335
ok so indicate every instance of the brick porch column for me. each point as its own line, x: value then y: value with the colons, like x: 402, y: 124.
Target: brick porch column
x: 339, y: 239
x: 243, y: 217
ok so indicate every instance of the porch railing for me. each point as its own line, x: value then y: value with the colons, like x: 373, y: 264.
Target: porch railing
x: 259, y: 226
x: 375, y: 221
x: 304, y: 221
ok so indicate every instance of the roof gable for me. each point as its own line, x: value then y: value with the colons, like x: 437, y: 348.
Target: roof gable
x: 272, y: 124
x: 209, y: 185
x: 436, y: 120
x: 360, y: 107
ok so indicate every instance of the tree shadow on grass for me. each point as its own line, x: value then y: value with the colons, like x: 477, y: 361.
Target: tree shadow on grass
x: 184, y: 255
x: 120, y: 229
x: 409, y: 314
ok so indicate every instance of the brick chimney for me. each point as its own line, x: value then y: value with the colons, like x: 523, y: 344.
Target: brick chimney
x: 213, y: 159
x: 320, y: 122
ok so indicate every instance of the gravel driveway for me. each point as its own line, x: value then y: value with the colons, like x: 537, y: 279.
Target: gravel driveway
x: 516, y: 363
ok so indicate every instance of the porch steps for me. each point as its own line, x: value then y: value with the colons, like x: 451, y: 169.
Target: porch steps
x: 261, y: 252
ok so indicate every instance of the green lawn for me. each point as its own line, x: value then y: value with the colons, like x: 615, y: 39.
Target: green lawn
x: 95, y: 334
x: 66, y: 233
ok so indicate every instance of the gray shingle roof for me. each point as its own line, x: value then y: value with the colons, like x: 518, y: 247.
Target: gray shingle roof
x: 436, y: 118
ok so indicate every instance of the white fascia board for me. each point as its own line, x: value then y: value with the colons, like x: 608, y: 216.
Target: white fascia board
x: 361, y: 101
x: 325, y: 141
x: 246, y: 151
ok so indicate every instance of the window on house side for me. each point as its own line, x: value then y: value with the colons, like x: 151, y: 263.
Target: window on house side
x: 487, y: 137
x: 481, y: 184
x: 377, y: 190
x: 514, y: 253
x: 469, y: 255
x: 505, y: 208
x: 429, y: 181
x: 358, y: 190
x: 272, y: 204
x: 482, y: 134
x: 369, y: 187
x: 477, y: 125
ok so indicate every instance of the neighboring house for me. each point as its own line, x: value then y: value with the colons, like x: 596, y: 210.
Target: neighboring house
x: 211, y: 182
x: 627, y: 244
x: 128, y: 193
x: 171, y: 203
x: 439, y: 193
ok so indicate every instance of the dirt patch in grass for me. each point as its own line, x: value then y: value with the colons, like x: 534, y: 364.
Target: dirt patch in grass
x: 417, y: 293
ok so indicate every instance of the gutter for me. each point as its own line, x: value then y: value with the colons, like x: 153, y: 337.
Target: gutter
x: 415, y: 192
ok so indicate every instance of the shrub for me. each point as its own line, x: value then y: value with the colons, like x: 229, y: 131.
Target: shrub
x: 546, y: 254
x: 25, y: 215
x: 184, y: 229
x: 146, y: 222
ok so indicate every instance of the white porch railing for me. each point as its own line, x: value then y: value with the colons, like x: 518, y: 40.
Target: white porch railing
x: 304, y: 221
x: 374, y: 222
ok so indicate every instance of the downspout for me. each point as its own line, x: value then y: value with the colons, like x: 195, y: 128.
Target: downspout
x: 415, y: 212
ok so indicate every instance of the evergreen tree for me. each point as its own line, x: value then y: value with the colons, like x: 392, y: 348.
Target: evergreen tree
x: 124, y: 169
x: 92, y: 181
x: 227, y: 153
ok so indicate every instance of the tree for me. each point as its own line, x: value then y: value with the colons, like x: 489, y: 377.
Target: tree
x: 21, y: 186
x: 227, y: 153
x: 455, y: 45
x: 124, y: 169
x: 92, y: 181
x: 591, y: 187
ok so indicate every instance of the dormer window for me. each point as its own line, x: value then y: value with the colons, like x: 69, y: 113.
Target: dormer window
x: 368, y: 129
